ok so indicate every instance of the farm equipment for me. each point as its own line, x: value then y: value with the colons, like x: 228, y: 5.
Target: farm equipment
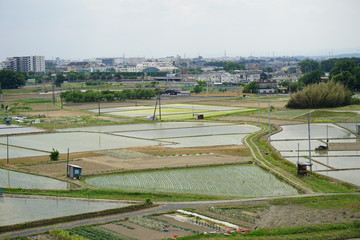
x: 321, y: 148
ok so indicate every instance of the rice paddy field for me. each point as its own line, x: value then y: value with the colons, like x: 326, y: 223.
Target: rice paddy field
x: 19, y: 210
x: 170, y: 134
x: 173, y: 111
x: 12, y: 179
x: 343, y: 164
x: 233, y: 180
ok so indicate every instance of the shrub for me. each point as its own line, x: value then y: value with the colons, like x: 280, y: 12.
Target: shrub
x: 54, y: 155
x: 321, y: 95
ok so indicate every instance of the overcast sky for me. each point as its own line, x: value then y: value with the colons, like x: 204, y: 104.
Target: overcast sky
x: 79, y: 29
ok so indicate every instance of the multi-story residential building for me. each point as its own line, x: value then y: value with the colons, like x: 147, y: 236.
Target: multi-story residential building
x: 26, y: 63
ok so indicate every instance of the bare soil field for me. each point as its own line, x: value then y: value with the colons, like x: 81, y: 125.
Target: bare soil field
x: 292, y: 216
x: 106, y: 164
x: 344, y: 146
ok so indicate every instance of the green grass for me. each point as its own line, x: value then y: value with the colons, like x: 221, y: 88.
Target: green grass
x: 35, y: 100
x: 330, y: 116
x: 314, y: 232
x: 340, y: 201
x: 318, y: 183
x: 117, y: 194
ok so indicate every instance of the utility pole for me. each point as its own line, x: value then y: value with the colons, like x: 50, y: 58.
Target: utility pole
x: 53, y: 91
x: 259, y: 109
x: 99, y: 93
x: 159, y: 106
x: 7, y: 149
x: 67, y: 163
x: 269, y: 119
x: 309, y: 141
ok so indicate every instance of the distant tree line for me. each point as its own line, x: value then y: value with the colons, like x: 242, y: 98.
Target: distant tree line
x: 227, y: 66
x: 334, y: 91
x: 344, y: 70
x: 76, y: 96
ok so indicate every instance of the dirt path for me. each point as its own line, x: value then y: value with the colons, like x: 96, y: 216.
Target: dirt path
x: 106, y: 164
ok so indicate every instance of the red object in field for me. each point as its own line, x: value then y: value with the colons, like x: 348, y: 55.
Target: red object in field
x: 175, y: 236
x: 246, y: 231
x: 239, y: 230
x: 228, y: 231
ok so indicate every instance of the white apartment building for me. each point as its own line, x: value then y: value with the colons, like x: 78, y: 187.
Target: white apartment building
x: 221, y: 77
x: 26, y: 63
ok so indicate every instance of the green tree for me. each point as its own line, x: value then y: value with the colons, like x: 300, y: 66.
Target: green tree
x: 198, y: 89
x: 342, y: 66
x: 59, y: 79
x: 312, y: 77
x: 268, y: 69
x: 11, y: 79
x: 202, y: 83
x: 232, y: 66
x: 346, y: 78
x: 356, y: 71
x: 251, y: 88
x: 309, y: 65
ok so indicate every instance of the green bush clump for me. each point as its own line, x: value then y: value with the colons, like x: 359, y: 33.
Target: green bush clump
x: 64, y: 235
x: 54, y: 155
x: 321, y: 95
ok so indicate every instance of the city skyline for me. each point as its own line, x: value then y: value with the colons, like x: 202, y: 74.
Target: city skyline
x: 114, y: 28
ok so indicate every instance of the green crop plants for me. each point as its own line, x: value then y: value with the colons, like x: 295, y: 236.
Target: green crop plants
x: 60, y: 234
x: 93, y: 233
x: 314, y: 232
x: 148, y: 223
x: 233, y: 180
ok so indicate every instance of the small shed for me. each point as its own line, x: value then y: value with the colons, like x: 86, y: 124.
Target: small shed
x: 199, y: 116
x: 74, y: 171
x: 302, y: 168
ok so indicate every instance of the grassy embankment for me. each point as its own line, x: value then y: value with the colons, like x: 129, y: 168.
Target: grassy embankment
x: 283, y: 169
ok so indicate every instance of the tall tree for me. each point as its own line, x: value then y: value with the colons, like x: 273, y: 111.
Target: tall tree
x: 312, y: 77
x: 59, y: 79
x: 309, y: 65
x: 251, y: 88
x: 346, y: 78
x: 342, y: 66
x: 10, y: 79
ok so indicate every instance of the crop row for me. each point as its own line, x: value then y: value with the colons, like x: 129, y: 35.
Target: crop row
x: 244, y: 180
x: 93, y: 233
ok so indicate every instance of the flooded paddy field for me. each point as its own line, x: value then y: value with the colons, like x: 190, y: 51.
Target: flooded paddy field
x: 170, y: 111
x: 16, y: 210
x: 17, y: 129
x: 174, y: 134
x: 13, y: 179
x: 342, y: 163
x: 234, y: 180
